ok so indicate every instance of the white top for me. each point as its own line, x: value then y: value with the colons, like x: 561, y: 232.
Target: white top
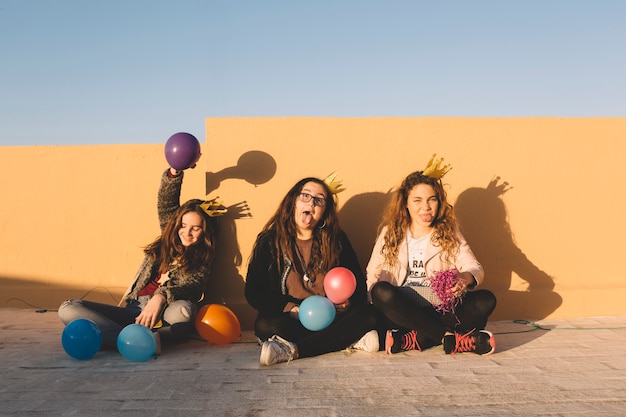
x: 416, y: 270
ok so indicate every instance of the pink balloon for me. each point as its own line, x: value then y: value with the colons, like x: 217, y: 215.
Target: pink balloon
x: 339, y: 284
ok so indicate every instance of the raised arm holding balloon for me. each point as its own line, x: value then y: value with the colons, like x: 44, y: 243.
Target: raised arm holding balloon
x: 173, y: 275
x: 293, y: 269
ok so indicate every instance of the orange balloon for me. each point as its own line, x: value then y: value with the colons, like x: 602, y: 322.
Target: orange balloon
x: 217, y: 324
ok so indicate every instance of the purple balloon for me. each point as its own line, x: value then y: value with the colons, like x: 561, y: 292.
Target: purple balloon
x: 182, y: 150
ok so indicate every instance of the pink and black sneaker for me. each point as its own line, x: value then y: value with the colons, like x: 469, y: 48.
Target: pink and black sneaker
x: 480, y: 342
x: 400, y: 342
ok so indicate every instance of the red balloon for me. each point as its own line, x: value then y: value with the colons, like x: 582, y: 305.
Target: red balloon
x: 217, y: 324
x: 182, y: 150
x: 339, y: 284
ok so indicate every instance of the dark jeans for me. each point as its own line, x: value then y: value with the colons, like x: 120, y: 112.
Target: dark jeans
x: 345, y: 330
x: 404, y: 312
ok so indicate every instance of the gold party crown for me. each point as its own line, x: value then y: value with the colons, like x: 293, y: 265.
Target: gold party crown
x: 434, y: 169
x: 333, y: 186
x: 214, y: 207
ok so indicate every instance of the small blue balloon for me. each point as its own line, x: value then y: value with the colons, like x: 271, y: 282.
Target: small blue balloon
x: 136, y: 343
x: 316, y: 312
x: 81, y: 338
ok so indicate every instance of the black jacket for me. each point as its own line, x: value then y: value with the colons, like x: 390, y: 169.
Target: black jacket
x: 266, y: 289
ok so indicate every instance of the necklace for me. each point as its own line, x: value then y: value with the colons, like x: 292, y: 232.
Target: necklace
x: 309, y: 279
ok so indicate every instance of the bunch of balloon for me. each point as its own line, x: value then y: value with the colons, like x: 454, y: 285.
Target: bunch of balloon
x: 182, y: 150
x: 217, y: 324
x: 81, y: 338
x: 136, y: 343
x: 339, y: 284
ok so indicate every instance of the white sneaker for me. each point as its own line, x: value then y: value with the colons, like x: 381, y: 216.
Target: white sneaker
x: 277, y: 350
x: 369, y: 342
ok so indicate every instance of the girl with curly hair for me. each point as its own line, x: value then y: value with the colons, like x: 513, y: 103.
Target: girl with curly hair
x: 422, y: 274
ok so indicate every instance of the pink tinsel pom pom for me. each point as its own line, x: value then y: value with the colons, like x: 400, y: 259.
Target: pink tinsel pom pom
x: 442, y: 283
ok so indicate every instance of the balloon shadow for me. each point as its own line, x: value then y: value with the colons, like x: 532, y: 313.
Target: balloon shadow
x: 255, y: 167
x: 226, y: 285
x: 483, y: 219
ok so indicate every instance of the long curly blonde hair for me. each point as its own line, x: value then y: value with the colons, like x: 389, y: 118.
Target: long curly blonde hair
x: 397, y: 219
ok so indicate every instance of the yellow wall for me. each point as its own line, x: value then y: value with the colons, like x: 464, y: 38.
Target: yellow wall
x: 540, y: 201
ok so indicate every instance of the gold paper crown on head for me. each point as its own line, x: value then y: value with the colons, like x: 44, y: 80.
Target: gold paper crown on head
x: 333, y: 186
x: 434, y: 169
x: 214, y: 207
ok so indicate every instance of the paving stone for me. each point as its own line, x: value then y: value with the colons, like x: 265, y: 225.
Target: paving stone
x: 567, y: 367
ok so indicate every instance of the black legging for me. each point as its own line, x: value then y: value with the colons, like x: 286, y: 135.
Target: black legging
x: 406, y: 313
x: 346, y: 329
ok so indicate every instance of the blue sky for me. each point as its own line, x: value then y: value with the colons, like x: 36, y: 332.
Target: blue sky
x: 137, y: 71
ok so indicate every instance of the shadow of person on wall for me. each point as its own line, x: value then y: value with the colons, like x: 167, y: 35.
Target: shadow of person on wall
x: 483, y: 220
x: 226, y: 285
x: 359, y: 218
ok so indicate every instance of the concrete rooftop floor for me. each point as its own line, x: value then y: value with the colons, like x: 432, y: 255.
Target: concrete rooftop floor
x: 568, y: 367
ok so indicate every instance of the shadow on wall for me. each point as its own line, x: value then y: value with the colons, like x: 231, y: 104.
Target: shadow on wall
x: 226, y: 285
x: 359, y: 218
x: 255, y: 167
x: 483, y: 219
x: 30, y: 293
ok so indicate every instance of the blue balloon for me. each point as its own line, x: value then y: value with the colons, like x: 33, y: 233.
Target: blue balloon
x: 136, y: 343
x: 316, y: 312
x: 81, y: 338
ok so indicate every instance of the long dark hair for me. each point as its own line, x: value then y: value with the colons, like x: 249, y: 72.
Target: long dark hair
x: 167, y: 249
x: 325, y: 247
